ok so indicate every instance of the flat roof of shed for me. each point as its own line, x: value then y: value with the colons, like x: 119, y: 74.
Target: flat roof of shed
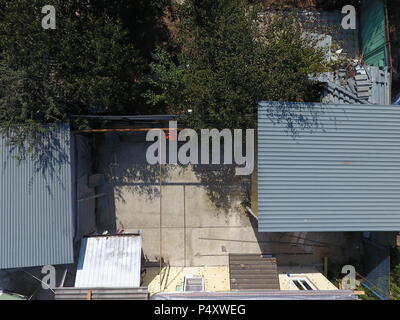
x: 109, y: 261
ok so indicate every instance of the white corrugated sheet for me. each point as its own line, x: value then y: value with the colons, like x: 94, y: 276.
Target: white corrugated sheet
x: 109, y: 261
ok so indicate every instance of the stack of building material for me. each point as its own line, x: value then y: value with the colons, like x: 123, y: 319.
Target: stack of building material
x: 362, y: 83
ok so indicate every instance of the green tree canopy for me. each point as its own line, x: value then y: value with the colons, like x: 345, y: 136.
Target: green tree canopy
x: 93, y: 62
x: 230, y: 58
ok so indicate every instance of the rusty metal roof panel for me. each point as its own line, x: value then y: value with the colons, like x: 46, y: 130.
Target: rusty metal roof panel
x: 253, y: 271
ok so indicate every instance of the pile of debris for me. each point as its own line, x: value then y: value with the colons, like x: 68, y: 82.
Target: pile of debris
x: 356, y: 82
x: 354, y: 76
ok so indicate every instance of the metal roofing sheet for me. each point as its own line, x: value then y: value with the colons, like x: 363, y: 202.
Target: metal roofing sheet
x: 35, y: 203
x: 326, y: 167
x: 253, y: 271
x: 69, y: 293
x: 380, y: 90
x: 259, y: 295
x: 334, y: 93
x: 109, y: 261
x: 376, y: 88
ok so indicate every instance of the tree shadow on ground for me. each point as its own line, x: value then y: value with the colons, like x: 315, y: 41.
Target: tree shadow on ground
x: 122, y: 158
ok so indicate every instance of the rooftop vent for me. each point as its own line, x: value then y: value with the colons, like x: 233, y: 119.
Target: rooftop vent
x: 193, y: 283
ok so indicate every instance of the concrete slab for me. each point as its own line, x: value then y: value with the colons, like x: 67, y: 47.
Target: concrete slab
x: 173, y: 248
x: 137, y: 211
x: 203, y: 216
x: 202, y: 211
x: 173, y: 203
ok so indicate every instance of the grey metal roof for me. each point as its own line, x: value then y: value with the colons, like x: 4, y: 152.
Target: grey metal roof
x: 334, y: 93
x: 252, y: 271
x: 259, y: 295
x: 35, y: 203
x: 109, y: 261
x: 328, y: 167
x: 380, y: 89
x: 69, y: 293
x: 371, y: 87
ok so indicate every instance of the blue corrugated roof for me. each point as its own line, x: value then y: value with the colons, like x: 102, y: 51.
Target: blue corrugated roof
x: 35, y: 203
x: 327, y: 167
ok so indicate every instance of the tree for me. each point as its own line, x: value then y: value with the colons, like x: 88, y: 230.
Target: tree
x: 93, y: 62
x: 230, y: 59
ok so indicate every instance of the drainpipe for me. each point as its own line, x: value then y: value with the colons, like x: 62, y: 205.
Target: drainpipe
x: 251, y: 212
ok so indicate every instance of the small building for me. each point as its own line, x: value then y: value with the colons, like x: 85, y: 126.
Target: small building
x: 109, y: 267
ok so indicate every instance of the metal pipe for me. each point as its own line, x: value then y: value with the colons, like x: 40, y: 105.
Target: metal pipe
x: 251, y: 212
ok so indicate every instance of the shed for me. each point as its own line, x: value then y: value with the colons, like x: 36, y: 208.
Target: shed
x: 109, y: 261
x: 328, y: 167
x: 36, y: 222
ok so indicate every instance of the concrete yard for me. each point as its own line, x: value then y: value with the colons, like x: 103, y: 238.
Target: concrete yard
x: 200, y: 210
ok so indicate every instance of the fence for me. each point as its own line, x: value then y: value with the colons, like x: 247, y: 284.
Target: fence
x: 376, y: 268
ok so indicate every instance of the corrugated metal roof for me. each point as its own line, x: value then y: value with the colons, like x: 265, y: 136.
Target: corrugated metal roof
x: 109, y: 261
x: 252, y: 271
x: 370, y: 85
x: 328, y: 167
x: 259, y: 295
x: 334, y: 93
x: 101, y: 294
x: 380, y: 89
x: 35, y: 204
